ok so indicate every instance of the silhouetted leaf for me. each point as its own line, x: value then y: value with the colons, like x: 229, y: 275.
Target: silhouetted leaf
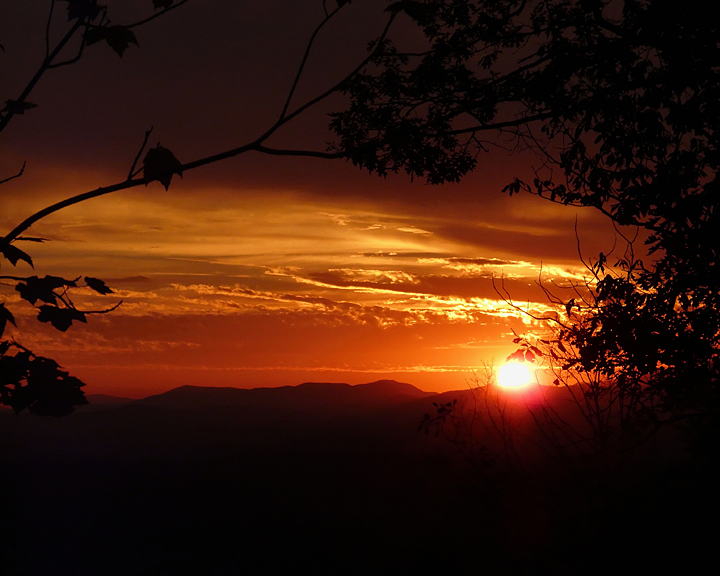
x: 117, y: 37
x: 416, y: 10
x: 5, y: 317
x: 160, y: 164
x: 60, y: 318
x: 13, y: 254
x: 83, y: 9
x: 17, y: 107
x: 569, y: 306
x: 36, y: 383
x: 30, y: 239
x: 517, y: 356
x: 97, y: 285
x: 34, y: 288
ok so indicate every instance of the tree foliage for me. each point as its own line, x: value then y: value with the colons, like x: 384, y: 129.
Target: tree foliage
x: 620, y: 102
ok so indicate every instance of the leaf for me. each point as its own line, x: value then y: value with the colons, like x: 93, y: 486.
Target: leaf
x: 34, y: 288
x: 165, y: 4
x: 569, y: 306
x: 160, y: 164
x: 60, y: 318
x: 83, y: 9
x: 518, y: 356
x: 14, y: 254
x: 5, y: 317
x: 529, y: 356
x: 18, y: 106
x: 31, y: 239
x: 416, y: 10
x: 98, y: 285
x: 117, y: 37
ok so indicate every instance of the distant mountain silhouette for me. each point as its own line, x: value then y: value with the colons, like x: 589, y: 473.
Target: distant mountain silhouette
x: 95, y: 399
x: 314, y: 396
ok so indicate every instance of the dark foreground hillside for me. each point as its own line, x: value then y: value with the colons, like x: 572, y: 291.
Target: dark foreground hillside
x: 320, y: 479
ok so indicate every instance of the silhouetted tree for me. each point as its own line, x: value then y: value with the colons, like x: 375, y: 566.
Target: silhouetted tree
x: 620, y: 102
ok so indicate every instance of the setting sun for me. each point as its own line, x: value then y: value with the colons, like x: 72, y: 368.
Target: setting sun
x: 513, y: 374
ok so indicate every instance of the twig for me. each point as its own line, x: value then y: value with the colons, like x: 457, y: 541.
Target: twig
x: 47, y: 29
x: 43, y: 68
x: 157, y: 14
x: 16, y: 175
x: 145, y: 141
x: 319, y: 27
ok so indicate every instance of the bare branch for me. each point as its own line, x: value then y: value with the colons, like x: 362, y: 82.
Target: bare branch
x: 16, y: 175
x: 47, y: 29
x: 157, y: 14
x: 305, y: 58
x: 43, y: 68
x: 72, y: 60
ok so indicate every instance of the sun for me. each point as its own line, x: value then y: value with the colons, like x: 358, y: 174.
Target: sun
x: 513, y: 375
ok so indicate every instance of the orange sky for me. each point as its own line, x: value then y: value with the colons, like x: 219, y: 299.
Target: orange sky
x: 259, y: 271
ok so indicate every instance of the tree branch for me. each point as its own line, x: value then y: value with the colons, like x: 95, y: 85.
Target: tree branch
x: 16, y: 175
x: 43, y: 68
x: 47, y: 29
x: 157, y: 14
x: 328, y: 16
x: 256, y: 145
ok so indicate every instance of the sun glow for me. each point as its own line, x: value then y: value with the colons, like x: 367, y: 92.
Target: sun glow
x: 514, y: 375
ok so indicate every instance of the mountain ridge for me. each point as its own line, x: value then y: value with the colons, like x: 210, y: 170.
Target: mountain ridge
x: 302, y: 396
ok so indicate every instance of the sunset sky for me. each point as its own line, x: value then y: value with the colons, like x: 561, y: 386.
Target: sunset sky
x: 259, y: 271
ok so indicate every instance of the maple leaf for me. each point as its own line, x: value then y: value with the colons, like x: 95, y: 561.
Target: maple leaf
x: 165, y: 4
x: 14, y: 254
x: 117, y: 37
x: 160, y: 164
x: 83, y: 9
x: 18, y: 107
x: 60, y: 318
x: 98, y: 285
x: 34, y: 288
x: 5, y: 317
